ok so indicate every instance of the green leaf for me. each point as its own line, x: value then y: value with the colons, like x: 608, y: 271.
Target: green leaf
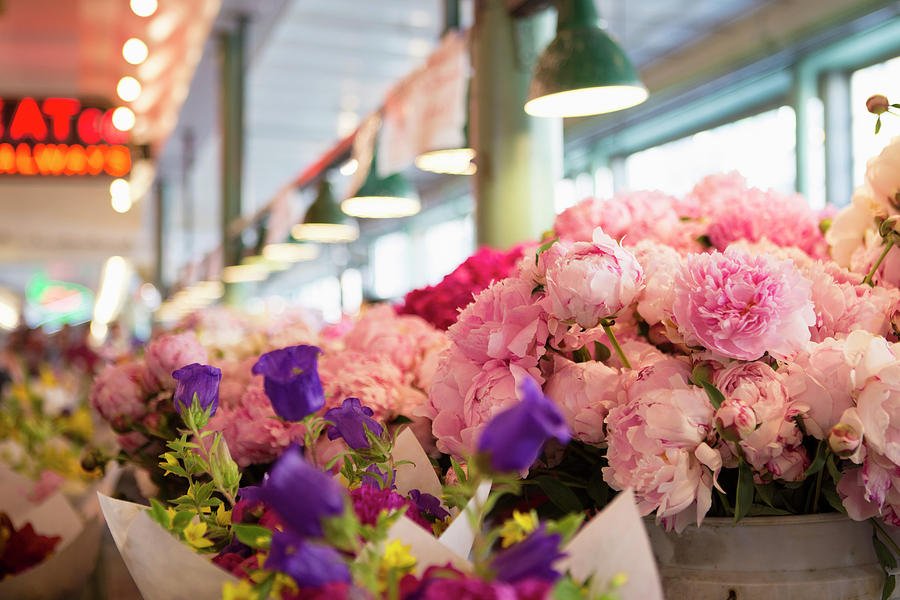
x: 700, y: 376
x: 543, y: 248
x: 159, y: 513
x: 886, y: 558
x: 831, y: 496
x: 818, y: 463
x: 559, y: 494
x: 255, y: 536
x: 744, y: 497
x: 181, y: 519
x: 264, y: 588
x: 581, y: 355
x: 567, y: 527
x: 597, y: 489
x: 759, y: 510
x: 832, y: 468
x: 877, y: 125
x: 566, y: 589
x: 890, y: 582
x: 766, y: 493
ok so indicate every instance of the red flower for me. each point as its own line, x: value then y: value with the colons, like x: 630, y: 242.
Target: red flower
x: 23, y: 548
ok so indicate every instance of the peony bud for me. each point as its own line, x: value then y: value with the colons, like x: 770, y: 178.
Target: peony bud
x: 736, y: 419
x: 877, y: 104
x: 844, y: 440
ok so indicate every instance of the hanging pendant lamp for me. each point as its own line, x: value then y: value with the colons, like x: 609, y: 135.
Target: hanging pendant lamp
x: 583, y: 71
x: 324, y: 222
x: 382, y: 197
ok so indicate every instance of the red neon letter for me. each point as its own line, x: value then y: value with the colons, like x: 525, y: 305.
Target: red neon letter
x: 89, y: 125
x: 28, y: 121
x: 61, y: 111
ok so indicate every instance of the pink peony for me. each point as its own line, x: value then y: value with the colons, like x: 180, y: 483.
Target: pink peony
x: 712, y: 194
x: 236, y: 376
x: 504, y: 322
x: 828, y: 376
x: 375, y: 380
x: 119, y: 394
x: 466, y: 394
x: 408, y: 341
x: 743, y: 306
x: 878, y: 410
x: 883, y: 178
x: 592, y: 281
x: 255, y: 435
x: 783, y: 220
x: 440, y: 304
x: 658, y: 446
x: 845, y: 438
x: 584, y: 393
x: 660, y: 264
x: 842, y: 308
x: 849, y: 226
x: 172, y: 351
x: 759, y: 416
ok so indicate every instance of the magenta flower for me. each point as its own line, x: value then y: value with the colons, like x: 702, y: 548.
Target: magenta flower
x: 351, y: 421
x: 514, y: 438
x: 299, y: 493
x: 310, y: 564
x: 291, y: 381
x: 200, y: 381
x: 743, y: 306
x: 531, y: 558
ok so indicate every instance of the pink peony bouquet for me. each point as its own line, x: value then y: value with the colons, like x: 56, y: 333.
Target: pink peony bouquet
x: 714, y: 360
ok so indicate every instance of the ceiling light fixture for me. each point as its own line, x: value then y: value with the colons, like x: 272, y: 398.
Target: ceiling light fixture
x: 135, y: 51
x: 583, y: 71
x: 324, y: 222
x: 144, y: 8
x: 128, y: 89
x: 123, y: 118
x: 378, y: 197
x: 452, y: 161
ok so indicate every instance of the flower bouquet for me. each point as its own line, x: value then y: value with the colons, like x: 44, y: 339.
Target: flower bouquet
x: 352, y: 526
x: 714, y: 360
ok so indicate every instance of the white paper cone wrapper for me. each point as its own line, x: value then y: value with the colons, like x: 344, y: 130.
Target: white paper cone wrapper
x: 614, y: 542
x: 66, y: 570
x: 163, y: 568
x: 418, y: 474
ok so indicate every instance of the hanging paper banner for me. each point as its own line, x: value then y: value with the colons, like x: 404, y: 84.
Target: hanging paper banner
x: 427, y: 110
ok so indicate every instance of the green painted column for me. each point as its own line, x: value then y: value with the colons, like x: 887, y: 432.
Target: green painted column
x: 519, y: 157
x: 232, y: 71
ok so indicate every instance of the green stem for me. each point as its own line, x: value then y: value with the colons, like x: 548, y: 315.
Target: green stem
x: 884, y: 534
x: 228, y: 495
x: 889, y: 243
x: 615, y: 344
x: 815, y: 504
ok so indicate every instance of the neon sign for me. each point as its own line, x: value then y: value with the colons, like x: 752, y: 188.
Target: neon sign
x: 59, y: 136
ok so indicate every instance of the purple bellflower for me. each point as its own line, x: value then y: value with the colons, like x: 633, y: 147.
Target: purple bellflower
x: 350, y: 421
x: 310, y: 564
x: 291, y: 380
x: 300, y: 494
x: 513, y: 439
x: 202, y: 380
x: 532, y: 558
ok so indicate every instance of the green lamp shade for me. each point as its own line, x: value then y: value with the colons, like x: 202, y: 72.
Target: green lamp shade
x: 383, y: 197
x: 583, y: 71
x: 324, y: 222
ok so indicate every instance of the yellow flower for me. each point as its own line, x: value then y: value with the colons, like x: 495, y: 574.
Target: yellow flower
x: 618, y: 580
x: 518, y: 528
x: 242, y: 590
x: 223, y: 517
x: 80, y: 424
x: 397, y: 557
x: 193, y: 535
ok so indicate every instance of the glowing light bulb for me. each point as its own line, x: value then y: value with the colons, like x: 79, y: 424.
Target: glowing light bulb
x: 119, y: 187
x: 135, y: 51
x: 123, y: 118
x: 128, y: 88
x: 120, y: 204
x: 144, y: 8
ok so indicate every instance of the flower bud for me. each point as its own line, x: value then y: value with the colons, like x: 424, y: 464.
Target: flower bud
x: 877, y: 104
x: 844, y: 440
x: 736, y: 419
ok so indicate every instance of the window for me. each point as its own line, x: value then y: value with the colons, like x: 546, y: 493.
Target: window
x: 884, y: 79
x: 446, y: 245
x: 760, y: 147
x: 390, y: 265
